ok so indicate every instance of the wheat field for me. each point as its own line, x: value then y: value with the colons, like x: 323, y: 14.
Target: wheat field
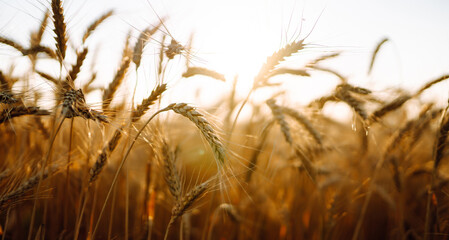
x: 122, y: 168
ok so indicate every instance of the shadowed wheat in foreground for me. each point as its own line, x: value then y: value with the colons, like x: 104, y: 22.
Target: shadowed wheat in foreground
x: 157, y: 170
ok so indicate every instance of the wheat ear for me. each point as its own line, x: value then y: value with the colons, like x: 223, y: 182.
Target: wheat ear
x: 171, y: 173
x: 280, y: 71
x: 95, y: 24
x: 322, y: 58
x: 438, y: 154
x: 23, y: 188
x: 430, y: 84
x: 144, y: 36
x: 277, y: 57
x: 376, y: 50
x: 109, y: 93
x: 118, y: 79
x: 344, y: 95
x: 59, y: 28
x: 103, y: 157
x: 254, y: 157
x: 5, y: 174
x: 80, y: 57
x: 389, y: 107
x: 323, y: 69
x: 204, y: 126
x: 280, y: 119
x: 7, y: 97
x: 36, y: 37
x: 74, y: 105
x: 301, y: 119
x: 147, y: 102
x: 12, y: 44
x: 27, y: 51
x: 17, y: 111
x: 186, y: 202
x: 192, y: 71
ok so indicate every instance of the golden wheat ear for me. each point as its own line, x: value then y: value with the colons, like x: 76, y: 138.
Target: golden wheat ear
x: 375, y: 52
x: 144, y: 37
x: 192, y: 71
x: 147, y: 102
x: 205, y: 127
x: 76, y: 68
x: 24, y: 187
x: 21, y: 110
x: 95, y: 24
x: 120, y: 75
x: 389, y: 107
x: 280, y: 119
x: 301, y: 119
x: 36, y: 37
x: 343, y: 94
x: 109, y: 93
x: 275, y: 59
x: 59, y: 28
x: 186, y: 202
x: 171, y: 173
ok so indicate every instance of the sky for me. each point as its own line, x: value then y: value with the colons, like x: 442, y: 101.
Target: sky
x: 234, y: 37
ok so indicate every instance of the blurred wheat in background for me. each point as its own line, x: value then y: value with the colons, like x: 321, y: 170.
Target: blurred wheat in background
x: 261, y: 165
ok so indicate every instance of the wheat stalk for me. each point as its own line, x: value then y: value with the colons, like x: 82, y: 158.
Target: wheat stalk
x: 99, y: 164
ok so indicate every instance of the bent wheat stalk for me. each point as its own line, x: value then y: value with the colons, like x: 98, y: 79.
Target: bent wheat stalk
x: 122, y: 162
